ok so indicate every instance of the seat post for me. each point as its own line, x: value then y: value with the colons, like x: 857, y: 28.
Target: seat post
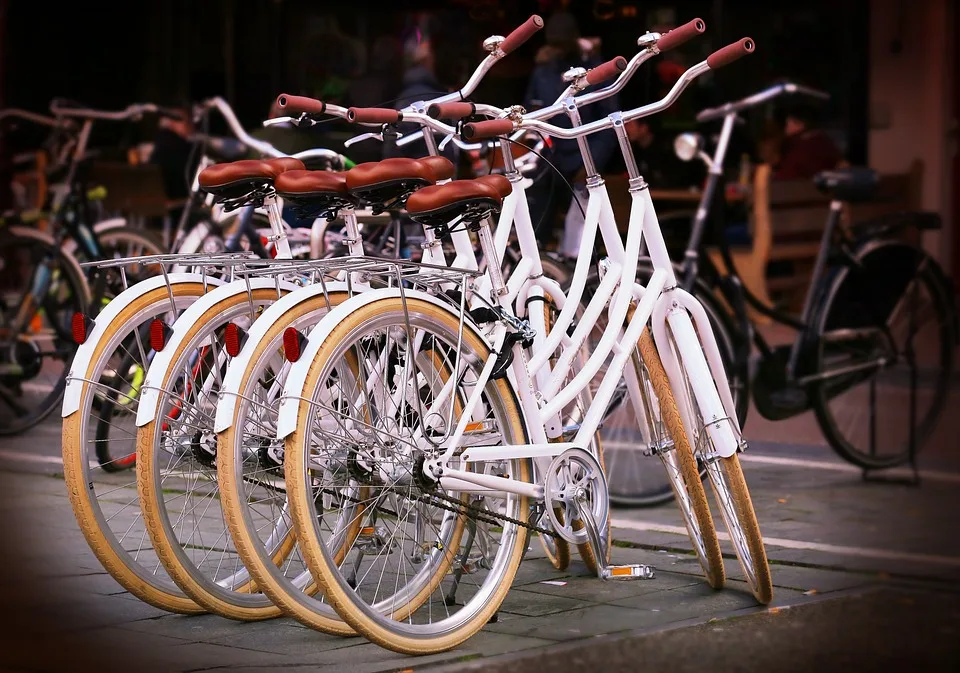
x: 272, y: 205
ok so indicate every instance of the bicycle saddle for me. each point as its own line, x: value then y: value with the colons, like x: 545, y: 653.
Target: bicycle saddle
x: 472, y: 200
x: 387, y: 183
x: 314, y: 192
x: 848, y: 184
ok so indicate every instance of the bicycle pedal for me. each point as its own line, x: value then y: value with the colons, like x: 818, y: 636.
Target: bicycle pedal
x: 633, y: 571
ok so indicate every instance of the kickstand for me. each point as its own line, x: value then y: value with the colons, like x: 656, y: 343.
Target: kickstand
x: 909, y: 355
x: 451, y: 598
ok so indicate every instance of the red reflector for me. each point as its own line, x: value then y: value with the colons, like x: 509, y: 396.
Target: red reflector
x: 233, y: 339
x: 292, y: 344
x: 159, y: 331
x: 80, y: 325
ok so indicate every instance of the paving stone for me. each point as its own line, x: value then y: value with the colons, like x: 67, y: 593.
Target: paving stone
x: 606, y: 591
x: 574, y: 624
x: 532, y: 604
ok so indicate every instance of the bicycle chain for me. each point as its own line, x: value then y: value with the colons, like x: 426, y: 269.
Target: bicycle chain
x: 474, y: 512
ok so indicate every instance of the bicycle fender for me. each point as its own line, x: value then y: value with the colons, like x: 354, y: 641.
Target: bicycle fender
x: 227, y: 401
x: 163, y: 361
x: 293, y: 390
x: 84, y: 355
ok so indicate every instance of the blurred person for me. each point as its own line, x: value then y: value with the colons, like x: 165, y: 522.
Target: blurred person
x: 805, y: 149
x: 380, y: 84
x: 549, y: 196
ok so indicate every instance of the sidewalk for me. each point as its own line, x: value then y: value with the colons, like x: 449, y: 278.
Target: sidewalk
x: 66, y: 613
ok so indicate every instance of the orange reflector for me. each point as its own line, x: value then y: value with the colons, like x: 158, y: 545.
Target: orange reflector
x: 621, y: 572
x: 366, y: 530
x: 474, y: 427
x: 81, y: 327
x: 159, y: 331
x: 292, y: 344
x: 233, y: 339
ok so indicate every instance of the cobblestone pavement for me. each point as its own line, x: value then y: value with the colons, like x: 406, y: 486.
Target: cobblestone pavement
x: 854, y: 562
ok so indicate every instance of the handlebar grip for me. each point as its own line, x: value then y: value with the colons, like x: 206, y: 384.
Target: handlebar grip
x: 373, y: 115
x: 487, y: 129
x: 521, y: 34
x: 608, y: 70
x: 730, y: 53
x: 679, y: 35
x: 451, y: 110
x: 300, y: 104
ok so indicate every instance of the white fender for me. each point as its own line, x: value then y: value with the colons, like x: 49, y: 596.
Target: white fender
x: 71, y: 396
x: 227, y: 401
x: 296, y: 378
x: 149, y: 391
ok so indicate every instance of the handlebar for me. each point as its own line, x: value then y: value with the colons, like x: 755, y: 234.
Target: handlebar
x: 373, y: 115
x: 296, y: 105
x: 759, y: 98
x: 487, y: 129
x: 730, y: 53
x: 605, y: 71
x: 521, y: 34
x: 134, y: 111
x: 674, y: 38
x: 646, y: 110
x: 40, y: 119
x: 451, y: 110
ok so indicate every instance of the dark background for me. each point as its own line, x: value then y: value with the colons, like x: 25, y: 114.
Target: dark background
x: 108, y: 54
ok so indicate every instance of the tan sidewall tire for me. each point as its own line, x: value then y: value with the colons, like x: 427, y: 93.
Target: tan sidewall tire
x: 300, y: 509
x: 74, y: 455
x: 670, y: 415
x: 152, y: 505
x: 747, y: 518
x: 244, y: 542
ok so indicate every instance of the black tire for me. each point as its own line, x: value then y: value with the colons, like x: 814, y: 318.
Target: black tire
x: 889, y: 280
x: 33, y: 368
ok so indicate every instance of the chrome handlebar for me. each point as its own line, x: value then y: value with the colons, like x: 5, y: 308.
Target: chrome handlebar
x: 758, y: 98
x: 40, y: 119
x: 134, y: 111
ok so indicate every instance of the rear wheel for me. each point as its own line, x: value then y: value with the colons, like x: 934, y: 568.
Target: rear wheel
x: 885, y: 348
x: 421, y: 547
x: 99, y: 447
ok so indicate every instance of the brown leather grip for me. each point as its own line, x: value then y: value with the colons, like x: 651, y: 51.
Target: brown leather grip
x: 681, y: 34
x: 521, y: 34
x: 488, y: 129
x: 298, y: 104
x: 373, y: 115
x: 607, y: 70
x: 730, y: 53
x: 451, y: 110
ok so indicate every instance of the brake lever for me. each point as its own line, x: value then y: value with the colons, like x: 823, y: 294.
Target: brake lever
x: 366, y: 136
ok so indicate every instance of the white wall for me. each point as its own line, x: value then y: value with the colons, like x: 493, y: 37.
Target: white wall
x: 910, y: 99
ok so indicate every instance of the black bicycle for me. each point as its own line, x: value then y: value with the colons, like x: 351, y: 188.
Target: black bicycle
x: 873, y: 353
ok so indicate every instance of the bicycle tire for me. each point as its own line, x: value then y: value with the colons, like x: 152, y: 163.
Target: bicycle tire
x: 40, y: 246
x: 106, y: 546
x: 248, y: 544
x: 382, y: 630
x: 242, y: 601
x: 847, y: 296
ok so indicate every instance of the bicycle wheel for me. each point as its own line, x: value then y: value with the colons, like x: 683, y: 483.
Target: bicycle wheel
x: 250, y: 473
x: 681, y: 464
x: 36, y: 344
x: 632, y: 480
x: 731, y: 494
x: 886, y: 329
x: 102, y: 494
x: 374, y: 385
x: 176, y: 470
